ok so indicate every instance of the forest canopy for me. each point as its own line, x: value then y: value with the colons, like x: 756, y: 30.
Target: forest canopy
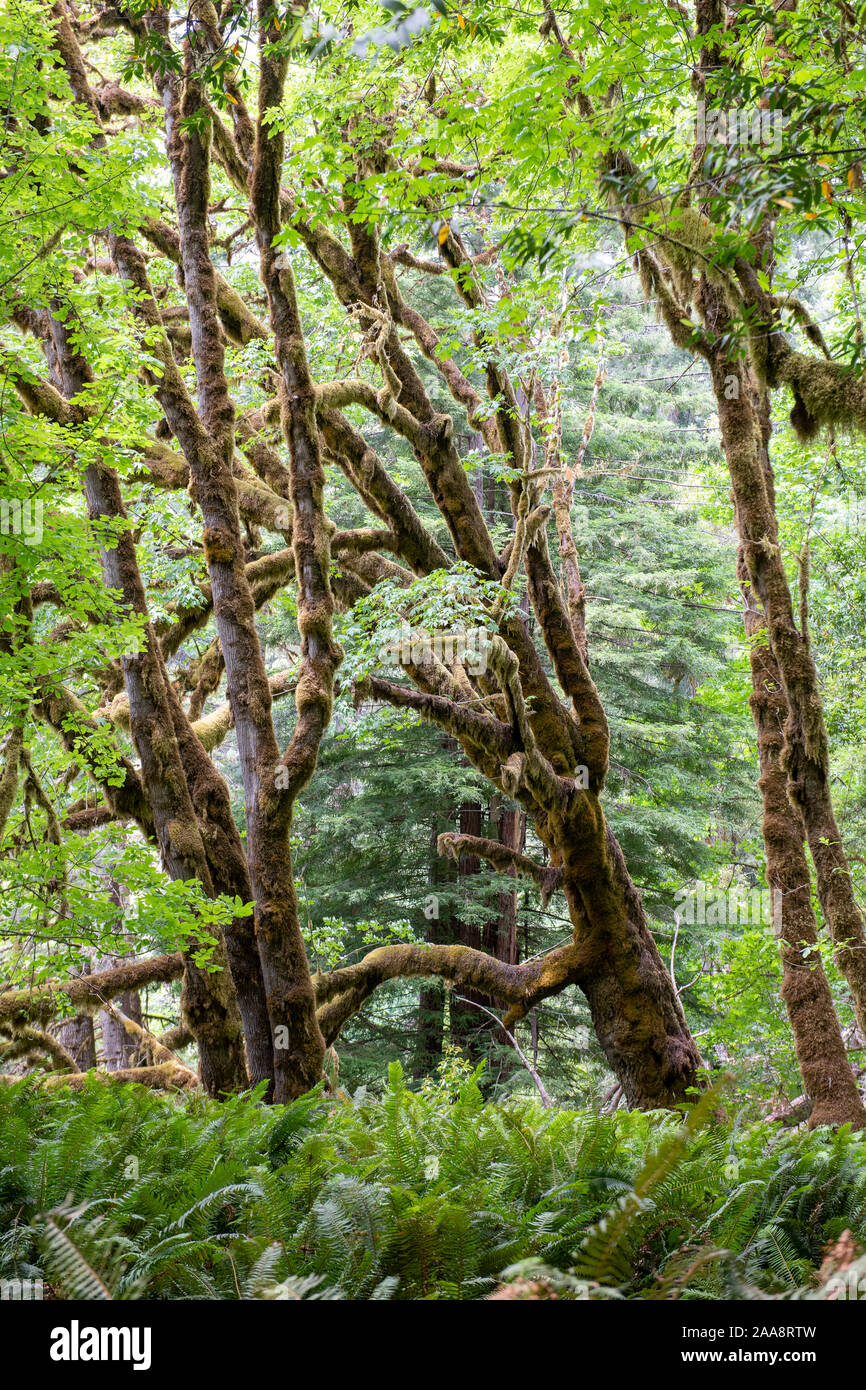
x: 432, y: 630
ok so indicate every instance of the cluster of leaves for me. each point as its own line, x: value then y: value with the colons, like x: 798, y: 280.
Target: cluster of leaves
x: 60, y: 903
x: 328, y: 943
x: 454, y: 600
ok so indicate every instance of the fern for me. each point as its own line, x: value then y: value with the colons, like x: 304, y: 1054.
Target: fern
x: 418, y: 1194
x: 67, y: 1264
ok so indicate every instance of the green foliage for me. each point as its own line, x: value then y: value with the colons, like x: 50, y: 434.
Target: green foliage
x: 328, y: 943
x: 58, y: 904
x: 428, y: 1194
x: 455, y: 599
x: 748, y: 1017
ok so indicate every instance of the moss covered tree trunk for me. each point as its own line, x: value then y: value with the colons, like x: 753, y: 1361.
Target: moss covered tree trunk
x: 635, y: 1009
x: 821, y: 1055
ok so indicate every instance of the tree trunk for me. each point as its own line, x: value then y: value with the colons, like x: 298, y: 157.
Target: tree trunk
x: 635, y: 1009
x: 805, y: 754
x: 77, y: 1034
x: 208, y: 998
x: 821, y: 1055
x: 498, y: 937
x: 78, y: 1037
x: 471, y: 1027
x: 119, y: 1048
x: 468, y: 1024
x: 824, y: 1066
x: 430, y: 1028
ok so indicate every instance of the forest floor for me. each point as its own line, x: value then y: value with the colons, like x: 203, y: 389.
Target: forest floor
x: 117, y: 1191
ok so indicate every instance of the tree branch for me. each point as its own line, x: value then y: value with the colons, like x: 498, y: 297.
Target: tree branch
x: 547, y: 876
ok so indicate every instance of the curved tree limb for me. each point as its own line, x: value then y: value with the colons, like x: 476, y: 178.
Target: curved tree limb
x: 548, y: 877
x: 87, y: 993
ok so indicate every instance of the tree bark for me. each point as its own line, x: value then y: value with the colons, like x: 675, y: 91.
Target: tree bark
x: 78, y: 1037
x: 430, y: 1027
x: 821, y: 1055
